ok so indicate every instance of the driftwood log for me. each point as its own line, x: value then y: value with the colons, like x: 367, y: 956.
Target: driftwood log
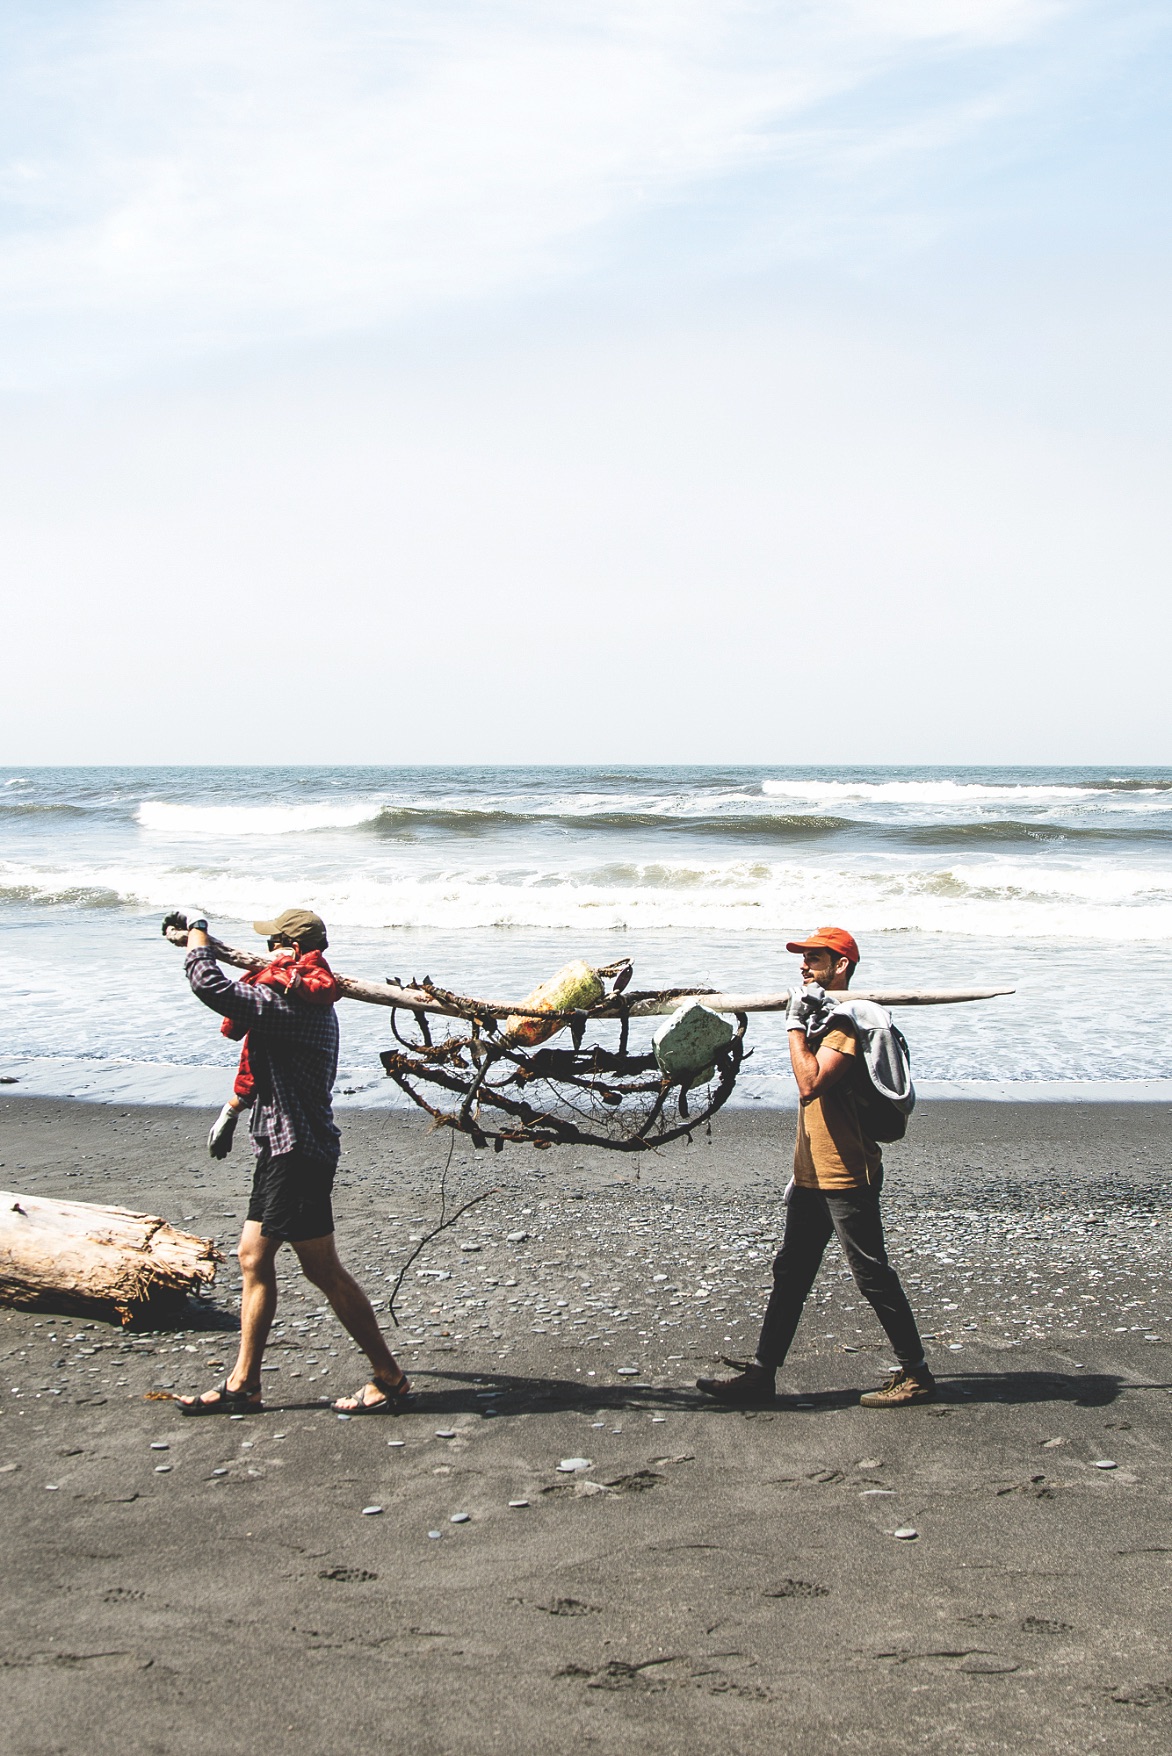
x: 71, y: 1256
x: 427, y: 997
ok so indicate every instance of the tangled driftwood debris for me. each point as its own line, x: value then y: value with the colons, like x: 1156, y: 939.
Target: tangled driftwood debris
x: 72, y: 1256
x: 444, y: 1222
x: 508, y: 1086
x: 588, y: 1095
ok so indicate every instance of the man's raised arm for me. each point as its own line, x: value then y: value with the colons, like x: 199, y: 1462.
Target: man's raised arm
x: 243, y: 1002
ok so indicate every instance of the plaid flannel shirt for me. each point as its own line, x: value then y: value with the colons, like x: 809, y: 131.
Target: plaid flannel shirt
x: 293, y: 1051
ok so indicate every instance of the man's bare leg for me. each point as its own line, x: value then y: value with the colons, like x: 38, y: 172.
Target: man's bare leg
x: 321, y: 1264
x: 257, y: 1256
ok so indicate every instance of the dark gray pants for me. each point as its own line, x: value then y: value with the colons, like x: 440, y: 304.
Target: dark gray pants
x: 852, y: 1216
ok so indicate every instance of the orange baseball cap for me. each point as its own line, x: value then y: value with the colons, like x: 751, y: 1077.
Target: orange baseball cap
x: 835, y: 939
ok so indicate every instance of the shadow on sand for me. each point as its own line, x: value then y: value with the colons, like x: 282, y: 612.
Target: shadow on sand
x: 498, y: 1395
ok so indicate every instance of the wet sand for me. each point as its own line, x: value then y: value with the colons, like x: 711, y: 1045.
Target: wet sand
x: 708, y: 1581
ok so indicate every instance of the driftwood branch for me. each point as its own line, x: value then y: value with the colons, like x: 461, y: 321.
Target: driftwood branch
x: 444, y: 1222
x: 654, y: 1006
x: 69, y: 1255
x: 626, y: 1005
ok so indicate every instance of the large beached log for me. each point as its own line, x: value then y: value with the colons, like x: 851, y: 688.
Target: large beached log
x: 72, y: 1256
x: 628, y: 1004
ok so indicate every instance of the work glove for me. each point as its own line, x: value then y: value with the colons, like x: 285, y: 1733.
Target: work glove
x: 804, y: 1007
x: 223, y: 1128
x: 183, y: 919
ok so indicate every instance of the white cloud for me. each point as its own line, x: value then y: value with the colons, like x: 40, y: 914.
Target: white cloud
x: 214, y: 171
x: 653, y: 475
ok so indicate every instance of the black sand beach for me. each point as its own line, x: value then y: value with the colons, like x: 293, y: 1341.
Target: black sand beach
x: 708, y: 1581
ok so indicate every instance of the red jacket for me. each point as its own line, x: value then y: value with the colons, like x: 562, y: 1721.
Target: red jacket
x: 310, y: 976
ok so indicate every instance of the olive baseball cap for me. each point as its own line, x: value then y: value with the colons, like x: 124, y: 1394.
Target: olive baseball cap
x: 299, y: 924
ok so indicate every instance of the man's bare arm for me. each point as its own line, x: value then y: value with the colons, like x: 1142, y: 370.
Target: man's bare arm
x: 814, y: 1072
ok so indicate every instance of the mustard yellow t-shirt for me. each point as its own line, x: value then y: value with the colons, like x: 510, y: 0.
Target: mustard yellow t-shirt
x: 832, y: 1151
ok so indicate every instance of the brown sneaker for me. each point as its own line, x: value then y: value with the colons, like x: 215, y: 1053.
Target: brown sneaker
x: 901, y: 1389
x: 751, y: 1388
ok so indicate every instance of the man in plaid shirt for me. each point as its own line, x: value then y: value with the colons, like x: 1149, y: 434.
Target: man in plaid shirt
x: 293, y: 1051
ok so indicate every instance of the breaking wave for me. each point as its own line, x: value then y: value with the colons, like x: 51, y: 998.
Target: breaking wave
x: 958, y: 792
x: 994, y: 830
x: 415, y: 819
x: 250, y: 820
x: 66, y: 895
x: 740, y: 818
x: 1005, y: 899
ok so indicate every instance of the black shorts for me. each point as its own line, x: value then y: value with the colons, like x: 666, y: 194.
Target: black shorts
x: 291, y: 1196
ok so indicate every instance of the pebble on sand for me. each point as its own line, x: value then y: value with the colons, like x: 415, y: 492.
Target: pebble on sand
x: 1105, y: 1463
x: 517, y: 1504
x: 906, y: 1533
x: 371, y: 1511
x: 459, y: 1518
x: 628, y: 1371
x: 569, y: 1465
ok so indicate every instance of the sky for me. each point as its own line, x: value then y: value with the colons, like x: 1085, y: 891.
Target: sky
x: 711, y: 380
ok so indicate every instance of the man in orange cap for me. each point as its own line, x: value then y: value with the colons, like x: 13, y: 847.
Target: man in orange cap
x: 838, y: 1172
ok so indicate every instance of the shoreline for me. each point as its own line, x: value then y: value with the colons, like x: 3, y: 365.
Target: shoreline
x: 959, y: 1153
x: 146, y: 1084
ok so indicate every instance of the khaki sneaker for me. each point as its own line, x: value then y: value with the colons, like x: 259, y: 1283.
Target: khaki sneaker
x: 901, y: 1389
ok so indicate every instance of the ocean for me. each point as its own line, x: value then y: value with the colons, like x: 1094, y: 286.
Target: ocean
x: 1057, y: 882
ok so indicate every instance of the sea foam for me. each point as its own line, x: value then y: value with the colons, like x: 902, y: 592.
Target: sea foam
x: 249, y: 820
x: 988, y: 899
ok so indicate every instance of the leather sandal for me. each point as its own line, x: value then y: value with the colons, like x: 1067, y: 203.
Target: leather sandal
x: 245, y: 1401
x: 393, y: 1397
